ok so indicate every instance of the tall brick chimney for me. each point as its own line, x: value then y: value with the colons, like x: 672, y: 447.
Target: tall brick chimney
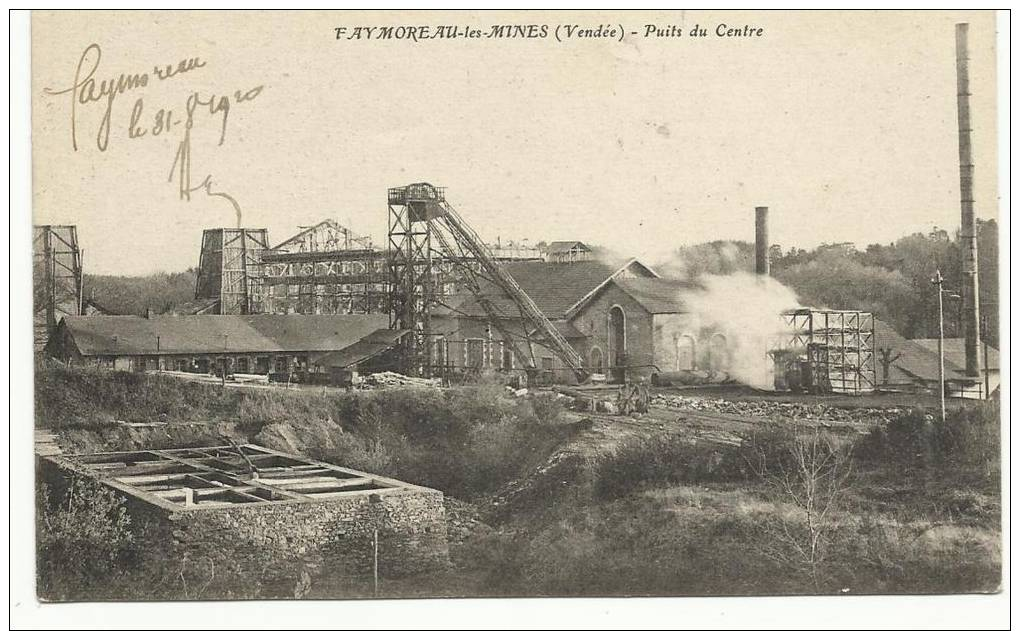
x: 761, y: 240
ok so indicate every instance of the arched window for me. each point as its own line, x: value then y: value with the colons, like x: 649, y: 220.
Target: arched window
x: 617, y: 337
x: 718, y: 352
x: 685, y: 352
x: 597, y: 362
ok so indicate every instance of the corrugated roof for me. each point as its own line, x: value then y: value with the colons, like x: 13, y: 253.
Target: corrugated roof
x: 656, y: 295
x: 135, y: 335
x: 955, y: 352
x: 555, y: 287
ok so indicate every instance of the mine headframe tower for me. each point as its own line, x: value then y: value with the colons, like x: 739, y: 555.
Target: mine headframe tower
x: 411, y: 275
x: 425, y: 232
x: 230, y: 269
x: 57, y: 278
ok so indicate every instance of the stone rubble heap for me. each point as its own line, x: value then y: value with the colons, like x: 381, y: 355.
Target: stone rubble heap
x: 397, y: 379
x: 779, y: 410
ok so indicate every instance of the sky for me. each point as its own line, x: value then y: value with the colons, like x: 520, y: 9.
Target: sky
x: 843, y: 124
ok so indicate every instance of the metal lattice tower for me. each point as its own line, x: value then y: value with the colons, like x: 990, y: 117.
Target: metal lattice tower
x: 412, y: 281
x: 57, y: 278
x: 420, y: 220
x: 230, y: 269
x: 840, y: 347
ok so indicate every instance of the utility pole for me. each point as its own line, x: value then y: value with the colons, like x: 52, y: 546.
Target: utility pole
x: 223, y: 370
x: 984, y: 343
x: 937, y: 281
x: 375, y: 562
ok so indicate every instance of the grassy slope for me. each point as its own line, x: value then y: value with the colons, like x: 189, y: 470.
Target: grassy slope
x: 653, y: 517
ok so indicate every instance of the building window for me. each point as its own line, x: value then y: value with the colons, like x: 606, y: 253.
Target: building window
x: 475, y: 353
x: 718, y: 353
x: 548, y: 363
x: 439, y: 351
x: 617, y: 336
x: 597, y: 362
x: 507, y: 360
x: 685, y: 352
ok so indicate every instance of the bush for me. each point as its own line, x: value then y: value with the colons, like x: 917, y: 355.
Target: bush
x: 83, y: 539
x: 668, y: 459
x: 466, y: 441
x: 968, y: 438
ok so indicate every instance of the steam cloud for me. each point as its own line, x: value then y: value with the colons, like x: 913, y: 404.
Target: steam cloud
x: 746, y: 309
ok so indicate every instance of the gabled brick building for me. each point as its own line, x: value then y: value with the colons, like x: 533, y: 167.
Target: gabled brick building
x: 624, y: 320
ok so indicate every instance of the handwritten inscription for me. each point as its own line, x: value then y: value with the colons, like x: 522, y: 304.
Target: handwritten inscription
x: 89, y: 89
x: 164, y: 119
x: 86, y: 89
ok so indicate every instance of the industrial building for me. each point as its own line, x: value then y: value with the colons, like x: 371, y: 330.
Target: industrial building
x: 914, y: 365
x: 323, y: 269
x: 438, y: 301
x: 264, y: 506
x: 616, y: 317
x: 305, y: 346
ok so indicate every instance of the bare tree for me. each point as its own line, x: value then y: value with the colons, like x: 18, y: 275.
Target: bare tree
x: 812, y: 473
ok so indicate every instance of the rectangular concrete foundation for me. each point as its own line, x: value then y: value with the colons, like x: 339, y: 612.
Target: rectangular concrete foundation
x: 259, y: 507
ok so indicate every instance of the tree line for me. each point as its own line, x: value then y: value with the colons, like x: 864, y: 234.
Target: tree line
x: 892, y: 280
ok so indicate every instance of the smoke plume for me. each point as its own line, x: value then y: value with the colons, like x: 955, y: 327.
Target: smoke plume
x: 746, y: 309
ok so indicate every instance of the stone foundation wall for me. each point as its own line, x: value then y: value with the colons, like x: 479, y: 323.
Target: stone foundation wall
x: 338, y: 532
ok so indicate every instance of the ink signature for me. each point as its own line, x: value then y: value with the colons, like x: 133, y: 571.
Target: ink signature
x: 86, y: 90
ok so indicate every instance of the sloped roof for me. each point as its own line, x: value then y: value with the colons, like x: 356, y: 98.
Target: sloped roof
x: 955, y: 352
x: 917, y: 359
x: 135, y: 335
x: 195, y: 307
x: 366, y: 348
x: 557, y: 247
x: 554, y: 287
x: 325, y: 224
x: 568, y: 330
x: 656, y: 295
x: 912, y: 361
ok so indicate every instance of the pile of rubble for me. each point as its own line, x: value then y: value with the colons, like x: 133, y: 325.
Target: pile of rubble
x: 779, y: 410
x: 397, y: 379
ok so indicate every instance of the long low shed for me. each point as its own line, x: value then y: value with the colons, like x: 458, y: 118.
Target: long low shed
x: 259, y: 344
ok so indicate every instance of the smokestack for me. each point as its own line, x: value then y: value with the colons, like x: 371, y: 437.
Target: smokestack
x: 968, y: 222
x: 761, y: 240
